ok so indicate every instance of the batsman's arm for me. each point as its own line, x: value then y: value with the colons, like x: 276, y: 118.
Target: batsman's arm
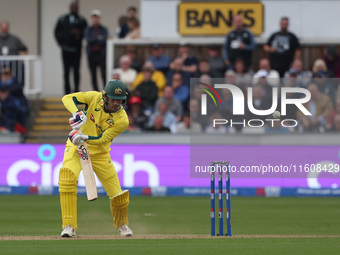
x: 71, y: 101
x: 109, y: 134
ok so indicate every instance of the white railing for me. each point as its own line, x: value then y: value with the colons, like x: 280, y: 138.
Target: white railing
x: 27, y: 69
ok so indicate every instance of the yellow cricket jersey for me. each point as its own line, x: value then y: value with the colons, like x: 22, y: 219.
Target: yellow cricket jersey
x: 100, y: 126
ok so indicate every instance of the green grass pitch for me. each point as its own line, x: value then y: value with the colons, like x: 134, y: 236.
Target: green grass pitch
x: 259, y: 225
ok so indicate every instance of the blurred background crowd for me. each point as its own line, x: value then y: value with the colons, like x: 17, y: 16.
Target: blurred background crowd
x: 162, y: 97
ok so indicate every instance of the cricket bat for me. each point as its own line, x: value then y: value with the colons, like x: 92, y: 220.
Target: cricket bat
x: 86, y: 165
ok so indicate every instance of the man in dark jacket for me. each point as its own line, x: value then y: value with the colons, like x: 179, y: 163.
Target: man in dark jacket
x: 239, y: 43
x: 96, y: 37
x: 69, y: 33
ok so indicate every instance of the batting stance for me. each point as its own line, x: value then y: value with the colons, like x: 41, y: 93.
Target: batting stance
x: 106, y: 119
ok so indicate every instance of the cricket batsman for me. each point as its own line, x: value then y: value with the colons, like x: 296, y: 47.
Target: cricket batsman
x: 102, y: 119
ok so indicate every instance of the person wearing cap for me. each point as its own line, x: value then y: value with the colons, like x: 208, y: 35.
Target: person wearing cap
x: 69, y: 33
x: 159, y: 60
x: 332, y: 61
x: 138, y: 119
x: 302, y: 77
x: 96, y: 36
x: 102, y: 120
x: 283, y: 47
x: 273, y: 76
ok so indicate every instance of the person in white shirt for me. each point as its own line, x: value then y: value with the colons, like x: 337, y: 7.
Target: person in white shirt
x: 126, y: 73
x: 273, y: 76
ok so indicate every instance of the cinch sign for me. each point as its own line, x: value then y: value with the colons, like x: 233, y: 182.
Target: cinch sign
x: 216, y: 18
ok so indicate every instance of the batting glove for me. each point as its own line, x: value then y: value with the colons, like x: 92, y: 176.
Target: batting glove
x: 78, y: 119
x: 77, y: 137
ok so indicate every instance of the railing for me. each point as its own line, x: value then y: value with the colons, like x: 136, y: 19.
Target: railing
x: 27, y: 70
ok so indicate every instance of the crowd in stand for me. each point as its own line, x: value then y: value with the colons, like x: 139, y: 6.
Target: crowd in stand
x: 160, y: 96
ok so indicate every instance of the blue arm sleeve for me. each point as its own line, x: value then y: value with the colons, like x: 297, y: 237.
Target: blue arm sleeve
x: 252, y: 44
x: 225, y: 49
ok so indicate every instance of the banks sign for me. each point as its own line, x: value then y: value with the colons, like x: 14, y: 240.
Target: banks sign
x: 216, y: 18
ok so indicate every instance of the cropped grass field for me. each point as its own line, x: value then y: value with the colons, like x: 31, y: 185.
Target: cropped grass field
x: 172, y: 225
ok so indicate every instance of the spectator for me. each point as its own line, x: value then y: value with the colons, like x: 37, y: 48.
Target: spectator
x: 324, y: 85
x: 157, y: 77
x: 203, y: 68
x: 131, y: 51
x: 147, y: 90
x: 230, y: 77
x: 332, y: 61
x: 291, y: 109
x: 124, y: 29
x: 189, y: 63
x: 177, y: 65
x: 16, y: 91
x: 260, y: 101
x: 181, y: 92
x: 331, y: 116
x: 205, y: 78
x: 273, y: 76
x: 11, y: 45
x: 195, y: 112
x: 243, y: 77
x: 216, y: 62
x: 320, y: 106
x: 69, y: 33
x: 239, y: 43
x: 126, y: 73
x: 169, y: 119
x: 158, y: 125
x: 174, y: 105
x: 138, y: 120
x: 336, y: 123
x: 96, y: 37
x: 302, y: 78
x: 217, y: 129
x: 8, y: 110
x: 188, y: 126
x: 115, y: 76
x: 320, y: 65
x: 160, y: 61
x: 283, y: 47
x: 263, y: 82
x: 134, y: 29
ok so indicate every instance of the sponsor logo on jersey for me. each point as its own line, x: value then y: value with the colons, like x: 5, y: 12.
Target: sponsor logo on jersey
x: 92, y: 118
x: 110, y: 122
x: 97, y: 109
